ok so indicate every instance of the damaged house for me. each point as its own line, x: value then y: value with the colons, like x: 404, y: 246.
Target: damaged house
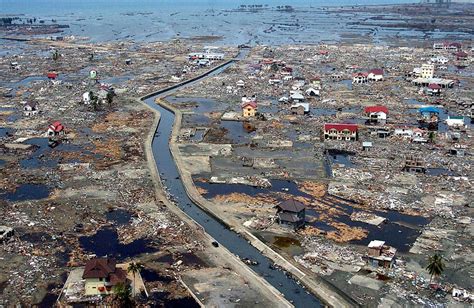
x: 291, y: 213
x: 380, y: 255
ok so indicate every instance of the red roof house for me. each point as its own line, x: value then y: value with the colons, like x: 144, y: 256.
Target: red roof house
x: 52, y: 75
x: 461, y: 55
x: 376, y: 113
x: 341, y: 126
x: 434, y: 86
x: 102, y: 271
x: 340, y: 131
x: 55, y: 129
x: 375, y: 74
x: 375, y: 109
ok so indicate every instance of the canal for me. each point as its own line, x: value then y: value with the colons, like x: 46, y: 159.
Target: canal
x: 290, y: 288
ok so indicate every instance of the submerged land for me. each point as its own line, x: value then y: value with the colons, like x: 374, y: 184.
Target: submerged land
x: 81, y: 177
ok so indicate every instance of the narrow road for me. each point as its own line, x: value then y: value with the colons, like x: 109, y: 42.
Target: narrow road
x: 292, y: 290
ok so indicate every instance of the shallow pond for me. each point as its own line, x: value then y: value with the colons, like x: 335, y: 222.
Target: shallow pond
x: 106, y: 243
x: 27, y: 192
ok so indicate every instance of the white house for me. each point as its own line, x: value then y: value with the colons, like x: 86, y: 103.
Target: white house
x: 300, y: 108
x: 30, y: 108
x: 360, y: 78
x: 312, y: 92
x: 376, y: 113
x: 439, y: 59
x: 405, y: 133
x: 240, y: 83
x: 296, y: 96
x: 455, y: 121
x: 375, y: 75
x: 86, y: 98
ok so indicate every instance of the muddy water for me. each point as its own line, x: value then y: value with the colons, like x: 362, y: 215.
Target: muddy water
x: 231, y: 240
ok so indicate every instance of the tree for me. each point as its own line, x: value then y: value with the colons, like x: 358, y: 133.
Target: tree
x: 134, y: 268
x: 94, y: 99
x: 431, y: 137
x: 56, y: 55
x: 123, y: 295
x: 109, y: 98
x: 435, y: 266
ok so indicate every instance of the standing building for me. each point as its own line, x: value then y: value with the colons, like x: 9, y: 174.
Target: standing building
x: 380, y: 254
x: 101, y: 275
x: 376, y: 113
x: 336, y: 131
x: 427, y: 70
x: 291, y: 213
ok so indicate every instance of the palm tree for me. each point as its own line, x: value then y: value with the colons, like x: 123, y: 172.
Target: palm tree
x: 435, y: 266
x: 431, y: 137
x: 109, y: 98
x: 123, y: 295
x: 134, y: 268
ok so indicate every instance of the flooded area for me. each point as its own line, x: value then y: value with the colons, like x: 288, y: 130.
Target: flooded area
x: 47, y: 153
x: 400, y: 230
x: 27, y: 192
x: 106, y: 243
x: 118, y: 217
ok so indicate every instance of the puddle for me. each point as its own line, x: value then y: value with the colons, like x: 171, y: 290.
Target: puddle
x: 5, y: 132
x: 439, y: 171
x: 189, y: 258
x: 347, y: 83
x: 341, y: 158
x: 168, y: 258
x: 199, y: 135
x: 196, y: 104
x: 323, y: 111
x: 213, y: 190
x: 238, y: 132
x: 27, y: 192
x: 289, y: 245
x: 45, y: 154
x: 116, y: 79
x: 151, y: 276
x: 191, y: 120
x: 36, y: 237
x: 49, y: 300
x: 106, y: 243
x: 24, y: 83
x: 118, y: 216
